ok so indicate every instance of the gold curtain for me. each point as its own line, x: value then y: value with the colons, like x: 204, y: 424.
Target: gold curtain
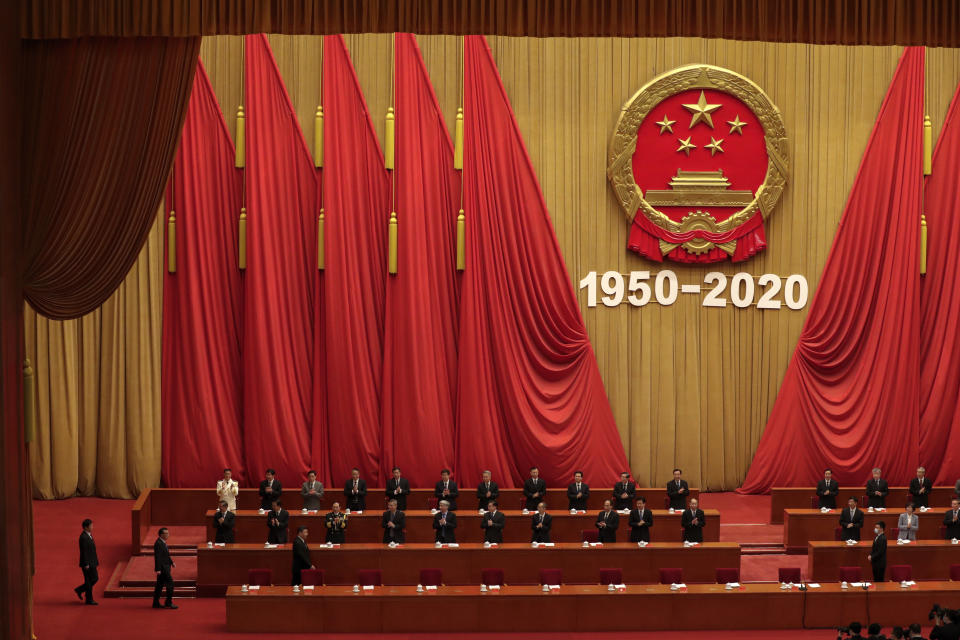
x: 98, y: 389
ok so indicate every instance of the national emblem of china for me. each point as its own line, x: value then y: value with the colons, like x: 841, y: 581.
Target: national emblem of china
x: 698, y: 161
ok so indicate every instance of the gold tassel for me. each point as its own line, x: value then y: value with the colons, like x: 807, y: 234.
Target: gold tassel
x: 388, y: 143
x: 172, y: 242
x: 927, y: 146
x: 392, y: 249
x: 461, y: 241
x: 458, y: 141
x: 242, y: 236
x: 318, y: 138
x: 29, y: 402
x: 923, y: 244
x: 241, y: 154
x: 320, y: 240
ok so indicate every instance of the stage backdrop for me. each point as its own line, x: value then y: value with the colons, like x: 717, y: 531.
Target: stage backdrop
x: 689, y: 386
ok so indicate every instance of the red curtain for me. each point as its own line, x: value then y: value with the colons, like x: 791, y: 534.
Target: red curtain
x: 940, y: 310
x: 356, y: 199
x: 530, y: 391
x: 278, y: 329
x: 420, y: 336
x: 201, y: 376
x: 849, y: 399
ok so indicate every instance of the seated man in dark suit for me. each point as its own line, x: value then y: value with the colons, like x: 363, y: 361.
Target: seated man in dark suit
x: 447, y: 490
x: 301, y: 555
x: 336, y: 522
x: 534, y: 489
x: 540, y: 524
x: 877, y: 490
x: 607, y: 522
x: 393, y: 523
x: 851, y: 521
x: 487, y: 491
x: 677, y: 490
x: 827, y: 490
x: 223, y: 521
x: 492, y: 524
x: 270, y: 489
x: 577, y: 493
x: 277, y: 520
x: 920, y: 488
x: 951, y: 520
x: 88, y: 563
x: 398, y: 488
x: 623, y: 492
x: 641, y: 519
x: 445, y: 524
x: 355, y: 491
x: 692, y: 522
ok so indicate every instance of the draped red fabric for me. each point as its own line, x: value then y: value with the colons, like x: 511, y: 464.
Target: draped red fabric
x: 849, y: 399
x: 201, y: 375
x: 278, y: 330
x: 356, y: 198
x: 420, y: 335
x: 530, y: 391
x: 940, y: 309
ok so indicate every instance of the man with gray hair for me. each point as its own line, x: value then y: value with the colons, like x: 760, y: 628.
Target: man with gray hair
x: 877, y: 490
x: 445, y: 523
x: 487, y: 491
x: 920, y: 488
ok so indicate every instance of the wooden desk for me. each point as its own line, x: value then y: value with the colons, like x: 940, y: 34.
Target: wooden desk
x: 799, y: 498
x: 251, y: 526
x: 887, y: 604
x: 930, y: 559
x: 801, y: 526
x: 221, y: 566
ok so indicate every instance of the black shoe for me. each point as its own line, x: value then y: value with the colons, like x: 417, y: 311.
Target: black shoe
x: 92, y: 602
x: 79, y: 593
x: 170, y: 606
x: 156, y: 605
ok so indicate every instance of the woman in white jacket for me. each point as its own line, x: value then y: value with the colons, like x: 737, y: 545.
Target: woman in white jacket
x: 227, y: 490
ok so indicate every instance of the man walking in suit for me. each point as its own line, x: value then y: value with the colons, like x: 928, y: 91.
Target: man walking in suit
x: 223, y: 521
x: 851, y: 521
x: 607, y: 522
x: 877, y: 490
x: 447, y: 490
x: 312, y: 492
x: 951, y: 520
x: 677, y: 490
x: 398, y: 488
x: 393, y: 523
x: 270, y: 489
x: 534, y: 489
x: 492, y: 524
x: 827, y: 490
x: 356, y: 491
x: 88, y: 564
x: 336, y: 523
x: 277, y: 520
x: 623, y: 492
x: 692, y: 522
x: 445, y: 523
x: 301, y: 555
x: 577, y: 493
x: 163, y: 565
x: 641, y: 519
x: 920, y: 488
x: 878, y: 552
x: 487, y: 491
x: 540, y: 524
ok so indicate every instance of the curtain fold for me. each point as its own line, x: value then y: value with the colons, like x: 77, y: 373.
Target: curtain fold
x: 94, y: 168
x: 420, y: 335
x: 850, y: 396
x: 202, y: 304
x: 529, y: 390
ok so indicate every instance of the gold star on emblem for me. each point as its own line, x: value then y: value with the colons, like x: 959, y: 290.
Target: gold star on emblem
x: 701, y: 111
x: 666, y: 124
x: 714, y: 146
x: 736, y: 126
x: 686, y: 145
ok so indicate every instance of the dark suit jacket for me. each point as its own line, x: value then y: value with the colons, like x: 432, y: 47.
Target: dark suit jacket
x: 692, y: 532
x: 845, y: 519
x: 828, y: 495
x: 277, y: 533
x: 531, y: 486
x: 445, y: 533
x: 640, y: 526
x: 872, y: 487
x: 396, y: 533
x: 543, y: 533
x: 335, y: 532
x: 949, y: 631
x: 358, y: 501
x: 452, y: 498
x: 678, y: 495
x: 492, y: 525
x: 482, y: 499
x: 624, y: 503
x: 573, y: 502
x: 404, y: 485
x: 301, y: 558
x: 266, y: 499
x: 88, y: 551
x: 161, y: 556
x: 878, y: 552
x: 608, y: 533
x: 921, y: 499
x: 223, y: 522
x: 953, y: 530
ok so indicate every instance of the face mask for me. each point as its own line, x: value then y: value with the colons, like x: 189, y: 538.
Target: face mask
x: 876, y: 532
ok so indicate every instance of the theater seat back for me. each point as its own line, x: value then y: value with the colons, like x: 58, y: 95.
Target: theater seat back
x: 955, y: 572
x: 369, y: 577
x: 491, y: 576
x: 611, y: 576
x: 589, y: 535
x: 671, y: 576
x: 551, y: 576
x: 727, y: 575
x: 850, y: 574
x: 789, y: 574
x: 431, y: 577
x: 901, y: 572
x: 311, y: 577
x: 261, y: 577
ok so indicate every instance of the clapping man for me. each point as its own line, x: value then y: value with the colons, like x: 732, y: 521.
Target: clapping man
x: 445, y: 524
x: 677, y: 490
x: 827, y: 490
x: 851, y: 521
x: 393, y: 523
x: 447, y: 490
x: 277, y: 520
x: 692, y: 522
x: 336, y: 522
x: 540, y: 524
x: 534, y: 489
x: 270, y: 489
x: 223, y: 523
x: 607, y: 522
x: 227, y: 489
x: 398, y: 488
x: 920, y: 488
x: 641, y: 519
x: 877, y: 490
x: 492, y: 524
x: 624, y: 492
x: 355, y: 491
x: 312, y: 492
x: 487, y: 491
x: 951, y: 520
x: 577, y: 493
